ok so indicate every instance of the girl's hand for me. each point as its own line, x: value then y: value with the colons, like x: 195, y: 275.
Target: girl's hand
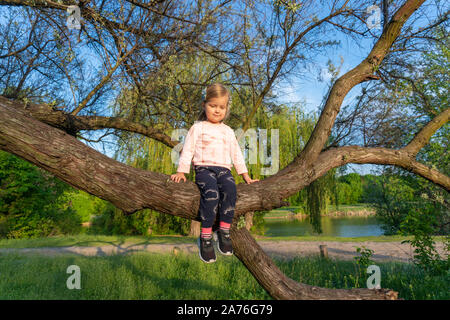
x: 248, y: 179
x: 177, y: 177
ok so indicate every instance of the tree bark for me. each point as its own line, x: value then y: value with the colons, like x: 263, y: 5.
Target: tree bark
x: 249, y: 220
x: 195, y: 229
x: 279, y: 286
x: 73, y: 124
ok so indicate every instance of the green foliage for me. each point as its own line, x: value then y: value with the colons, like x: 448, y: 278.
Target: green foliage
x: 393, y: 196
x: 258, y: 226
x: 349, y: 189
x: 316, y: 203
x: 85, y: 204
x: 112, y: 221
x: 287, y: 5
x: 32, y: 201
x: 363, y: 261
x: 420, y: 223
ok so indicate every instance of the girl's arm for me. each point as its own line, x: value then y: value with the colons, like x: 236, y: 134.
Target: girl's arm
x: 184, y: 163
x: 248, y: 179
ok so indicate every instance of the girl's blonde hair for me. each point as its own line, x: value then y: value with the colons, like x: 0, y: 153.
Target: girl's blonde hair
x: 215, y: 90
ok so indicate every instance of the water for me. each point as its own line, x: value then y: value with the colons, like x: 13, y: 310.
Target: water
x: 331, y: 226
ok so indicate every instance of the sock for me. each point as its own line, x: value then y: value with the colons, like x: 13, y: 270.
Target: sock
x: 206, y: 233
x: 225, y: 227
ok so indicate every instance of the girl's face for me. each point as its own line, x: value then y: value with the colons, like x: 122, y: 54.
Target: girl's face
x: 216, y: 108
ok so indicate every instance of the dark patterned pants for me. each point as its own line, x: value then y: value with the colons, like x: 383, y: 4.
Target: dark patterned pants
x: 218, y: 194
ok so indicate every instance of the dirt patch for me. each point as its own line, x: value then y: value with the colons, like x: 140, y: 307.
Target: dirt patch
x: 383, y: 251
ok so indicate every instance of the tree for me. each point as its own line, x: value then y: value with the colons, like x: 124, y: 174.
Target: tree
x: 422, y: 90
x: 32, y: 201
x: 43, y: 135
x: 350, y: 188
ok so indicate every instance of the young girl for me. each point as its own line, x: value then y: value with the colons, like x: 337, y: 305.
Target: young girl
x: 213, y: 145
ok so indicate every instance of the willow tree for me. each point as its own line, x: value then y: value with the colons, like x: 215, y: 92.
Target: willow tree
x: 45, y: 135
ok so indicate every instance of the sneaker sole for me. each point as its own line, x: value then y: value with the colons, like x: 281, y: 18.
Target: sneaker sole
x: 216, y: 238
x: 199, y: 254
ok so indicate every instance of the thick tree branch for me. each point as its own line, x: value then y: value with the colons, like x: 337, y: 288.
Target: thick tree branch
x: 424, y: 135
x: 73, y: 124
x: 336, y: 157
x: 84, y: 168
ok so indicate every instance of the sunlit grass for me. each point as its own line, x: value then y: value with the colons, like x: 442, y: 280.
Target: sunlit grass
x: 85, y: 240
x: 166, y: 276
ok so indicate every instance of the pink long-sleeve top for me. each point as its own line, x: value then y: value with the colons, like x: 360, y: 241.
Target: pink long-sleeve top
x: 211, y: 144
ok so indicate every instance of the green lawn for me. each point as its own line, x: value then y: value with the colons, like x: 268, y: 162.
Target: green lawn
x: 85, y: 240
x: 166, y: 276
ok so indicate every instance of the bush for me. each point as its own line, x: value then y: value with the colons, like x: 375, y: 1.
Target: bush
x: 420, y: 224
x: 32, y: 201
x: 36, y: 225
x: 112, y: 221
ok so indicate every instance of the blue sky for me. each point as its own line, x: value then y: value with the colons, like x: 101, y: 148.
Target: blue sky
x: 311, y: 91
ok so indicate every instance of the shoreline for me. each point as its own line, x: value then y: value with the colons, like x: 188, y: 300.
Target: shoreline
x: 333, y: 214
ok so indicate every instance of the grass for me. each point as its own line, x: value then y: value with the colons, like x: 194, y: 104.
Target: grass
x: 85, y: 240
x: 137, y: 276
x: 165, y: 276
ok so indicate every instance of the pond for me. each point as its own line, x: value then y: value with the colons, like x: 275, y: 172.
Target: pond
x: 331, y: 226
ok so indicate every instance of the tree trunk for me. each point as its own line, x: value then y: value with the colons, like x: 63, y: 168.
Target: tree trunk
x: 249, y: 220
x: 195, y: 229
x: 279, y: 286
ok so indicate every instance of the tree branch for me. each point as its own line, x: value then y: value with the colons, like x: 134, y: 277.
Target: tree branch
x: 102, y: 82
x: 424, y: 135
x: 73, y: 124
x: 336, y: 157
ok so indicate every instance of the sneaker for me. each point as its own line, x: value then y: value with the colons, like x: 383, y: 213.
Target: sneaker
x: 206, y: 250
x: 224, y: 244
